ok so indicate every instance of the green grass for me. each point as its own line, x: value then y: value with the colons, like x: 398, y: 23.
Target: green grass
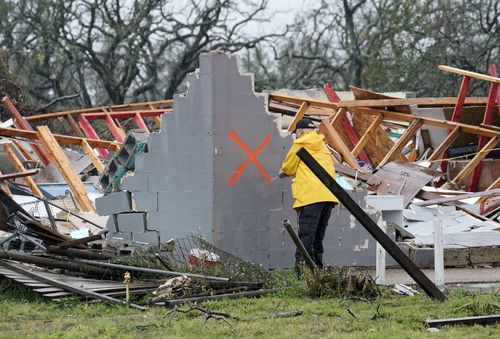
x: 25, y: 314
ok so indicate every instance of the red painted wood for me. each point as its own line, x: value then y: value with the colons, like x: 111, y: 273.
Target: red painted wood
x: 351, y: 133
x: 126, y: 115
x: 91, y: 134
x: 22, y: 124
x: 457, y: 112
x: 487, y: 118
x: 140, y: 122
x: 113, y: 128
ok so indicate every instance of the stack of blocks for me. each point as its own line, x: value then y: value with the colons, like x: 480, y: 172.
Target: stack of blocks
x: 208, y: 172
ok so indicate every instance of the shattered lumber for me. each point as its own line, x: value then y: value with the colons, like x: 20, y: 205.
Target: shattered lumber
x: 24, y: 125
x: 65, y: 168
x: 469, y: 74
x: 161, y: 105
x: 402, y: 259
x: 26, y: 173
x: 21, y: 169
x: 63, y: 139
x: 421, y: 102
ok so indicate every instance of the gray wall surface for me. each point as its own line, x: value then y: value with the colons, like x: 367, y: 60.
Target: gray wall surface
x: 208, y: 172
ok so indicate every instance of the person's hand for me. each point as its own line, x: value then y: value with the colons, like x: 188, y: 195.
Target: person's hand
x: 282, y: 174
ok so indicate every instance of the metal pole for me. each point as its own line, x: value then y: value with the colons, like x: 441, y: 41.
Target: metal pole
x: 299, y: 244
x: 392, y: 248
x: 149, y: 270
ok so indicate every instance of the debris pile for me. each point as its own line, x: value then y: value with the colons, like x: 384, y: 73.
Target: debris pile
x: 126, y: 194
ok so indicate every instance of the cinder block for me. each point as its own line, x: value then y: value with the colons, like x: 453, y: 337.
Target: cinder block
x: 116, y: 202
x: 132, y: 222
x: 145, y: 201
x: 422, y: 257
x: 112, y: 224
x: 150, y: 237
x: 135, y: 182
x: 160, y: 182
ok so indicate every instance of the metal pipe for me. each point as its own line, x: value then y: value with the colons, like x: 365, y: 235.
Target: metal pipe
x: 149, y: 270
x: 49, y: 262
x: 299, y: 244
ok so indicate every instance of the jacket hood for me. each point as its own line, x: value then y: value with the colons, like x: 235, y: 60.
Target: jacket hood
x: 311, y: 140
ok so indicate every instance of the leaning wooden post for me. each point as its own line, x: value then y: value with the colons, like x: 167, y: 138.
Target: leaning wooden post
x: 390, y: 246
x: 438, y: 253
x: 65, y: 168
x: 380, y: 257
x: 21, y: 169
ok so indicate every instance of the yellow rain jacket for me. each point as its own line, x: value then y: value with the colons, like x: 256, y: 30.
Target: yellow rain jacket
x: 306, y: 187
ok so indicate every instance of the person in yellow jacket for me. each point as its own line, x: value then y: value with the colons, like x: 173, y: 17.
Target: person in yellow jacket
x: 313, y: 201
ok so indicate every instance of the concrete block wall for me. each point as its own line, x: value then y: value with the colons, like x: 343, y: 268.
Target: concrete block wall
x: 208, y: 171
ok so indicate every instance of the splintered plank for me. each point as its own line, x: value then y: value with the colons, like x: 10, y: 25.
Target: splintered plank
x: 402, y: 141
x: 445, y: 144
x: 89, y: 151
x: 22, y: 124
x: 26, y: 154
x: 469, y: 74
x: 74, y: 126
x: 423, y: 102
x: 368, y: 133
x: 20, y: 168
x: 65, y: 168
x: 299, y: 115
x: 464, y: 173
x: 5, y: 186
x: 334, y: 139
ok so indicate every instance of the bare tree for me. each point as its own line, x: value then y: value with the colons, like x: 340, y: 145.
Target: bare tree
x: 124, y: 50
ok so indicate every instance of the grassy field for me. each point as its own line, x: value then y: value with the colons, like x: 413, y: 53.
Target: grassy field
x: 24, y: 314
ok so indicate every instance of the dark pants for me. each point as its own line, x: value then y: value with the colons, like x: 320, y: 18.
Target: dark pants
x: 313, y: 220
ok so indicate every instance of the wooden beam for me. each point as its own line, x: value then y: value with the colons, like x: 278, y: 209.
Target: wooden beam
x: 73, y: 125
x: 364, y: 138
x: 429, y: 121
x: 65, y: 168
x: 115, y: 108
x: 402, y: 141
x: 469, y: 74
x: 20, y: 168
x: 412, y: 101
x: 376, y: 232
x: 116, y: 131
x: 338, y: 117
x: 4, y: 185
x: 438, y: 152
x: 139, y: 121
x: 89, y: 151
x: 26, y: 154
x: 157, y: 122
x: 63, y: 139
x: 22, y: 124
x: 299, y: 115
x: 27, y: 173
x: 334, y: 139
x: 476, y: 160
x: 300, y: 100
